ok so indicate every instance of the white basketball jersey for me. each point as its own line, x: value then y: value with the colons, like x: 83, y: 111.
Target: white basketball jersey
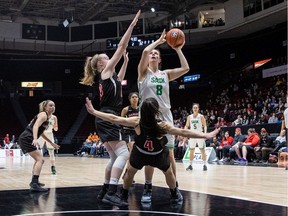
x: 156, y: 85
x: 51, y: 123
x: 196, y: 123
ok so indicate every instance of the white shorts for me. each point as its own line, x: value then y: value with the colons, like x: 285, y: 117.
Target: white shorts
x: 192, y: 143
x: 167, y: 116
x: 42, y: 141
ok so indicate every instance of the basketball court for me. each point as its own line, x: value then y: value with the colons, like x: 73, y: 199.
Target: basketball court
x: 222, y: 190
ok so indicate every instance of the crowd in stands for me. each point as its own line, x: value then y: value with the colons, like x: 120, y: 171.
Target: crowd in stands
x: 239, y: 105
x: 256, y: 103
x: 92, y: 147
x: 8, y: 143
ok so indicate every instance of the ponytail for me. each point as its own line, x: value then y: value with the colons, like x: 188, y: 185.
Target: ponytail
x: 42, y: 105
x: 89, y: 72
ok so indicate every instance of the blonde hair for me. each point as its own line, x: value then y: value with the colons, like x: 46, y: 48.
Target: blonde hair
x: 90, y: 70
x: 42, y: 105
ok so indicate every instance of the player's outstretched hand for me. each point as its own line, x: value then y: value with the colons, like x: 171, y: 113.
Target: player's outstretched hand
x: 135, y: 20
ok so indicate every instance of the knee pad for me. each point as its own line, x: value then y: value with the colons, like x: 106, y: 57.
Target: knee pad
x: 122, y: 157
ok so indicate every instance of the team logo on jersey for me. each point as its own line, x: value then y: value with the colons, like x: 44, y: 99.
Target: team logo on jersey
x: 157, y: 80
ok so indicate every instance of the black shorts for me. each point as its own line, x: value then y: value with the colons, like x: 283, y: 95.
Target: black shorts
x: 108, y: 131
x: 160, y: 161
x: 129, y: 138
x: 25, y: 141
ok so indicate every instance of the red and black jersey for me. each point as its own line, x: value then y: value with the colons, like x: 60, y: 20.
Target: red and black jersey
x: 110, y: 91
x: 149, y: 145
x: 41, y: 128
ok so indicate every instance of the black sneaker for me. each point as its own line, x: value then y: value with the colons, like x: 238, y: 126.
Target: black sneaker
x: 114, y: 199
x: 35, y: 187
x: 177, y: 198
x: 39, y: 183
x: 146, y: 196
x: 53, y: 170
x: 204, y: 167
x: 189, y: 168
x: 103, y: 191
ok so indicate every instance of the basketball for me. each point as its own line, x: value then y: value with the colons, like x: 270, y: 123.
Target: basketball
x: 175, y: 37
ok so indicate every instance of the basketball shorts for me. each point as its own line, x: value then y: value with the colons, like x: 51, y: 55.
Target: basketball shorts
x: 160, y: 161
x: 192, y: 143
x: 25, y: 141
x: 108, y: 131
x: 42, y: 141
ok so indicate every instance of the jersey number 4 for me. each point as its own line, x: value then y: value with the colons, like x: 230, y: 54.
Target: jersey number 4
x: 149, y: 145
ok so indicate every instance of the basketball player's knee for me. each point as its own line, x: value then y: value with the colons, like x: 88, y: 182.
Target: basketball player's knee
x: 122, y: 158
x: 122, y: 152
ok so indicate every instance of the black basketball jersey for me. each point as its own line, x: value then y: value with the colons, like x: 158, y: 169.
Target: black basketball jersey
x: 110, y: 91
x: 41, y: 128
x: 149, y: 145
x: 130, y: 113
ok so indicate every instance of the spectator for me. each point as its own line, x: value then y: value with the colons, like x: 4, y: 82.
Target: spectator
x: 13, y: 139
x: 279, y: 142
x: 179, y: 150
x: 263, y: 119
x: 215, y: 143
x: 224, y: 147
x: 238, y: 121
x: 238, y: 138
x: 6, y: 139
x: 247, y: 147
x: 272, y: 119
x: 265, y: 147
x: 94, y: 138
x: 86, y: 146
x: 245, y: 121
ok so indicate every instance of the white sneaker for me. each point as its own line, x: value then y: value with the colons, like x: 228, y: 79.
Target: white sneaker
x: 215, y: 160
x: 221, y: 160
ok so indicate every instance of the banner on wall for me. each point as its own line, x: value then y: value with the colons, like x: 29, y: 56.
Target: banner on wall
x: 32, y: 84
x: 274, y: 71
x: 210, y: 154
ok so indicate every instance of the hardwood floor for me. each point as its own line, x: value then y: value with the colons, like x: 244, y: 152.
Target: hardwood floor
x: 253, y: 183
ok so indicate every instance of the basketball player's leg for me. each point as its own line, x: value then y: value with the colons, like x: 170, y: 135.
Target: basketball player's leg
x: 37, y: 167
x: 171, y: 142
x: 51, y: 149
x: 130, y: 147
x: 112, y: 158
x: 163, y: 163
x: 192, y: 146
x: 52, y: 159
x: 170, y: 145
x: 147, y: 193
x: 201, y: 145
x: 172, y: 160
x: 128, y: 178
x: 122, y: 154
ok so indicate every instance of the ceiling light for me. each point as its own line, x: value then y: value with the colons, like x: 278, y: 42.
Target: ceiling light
x: 153, y: 9
x: 66, y: 23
